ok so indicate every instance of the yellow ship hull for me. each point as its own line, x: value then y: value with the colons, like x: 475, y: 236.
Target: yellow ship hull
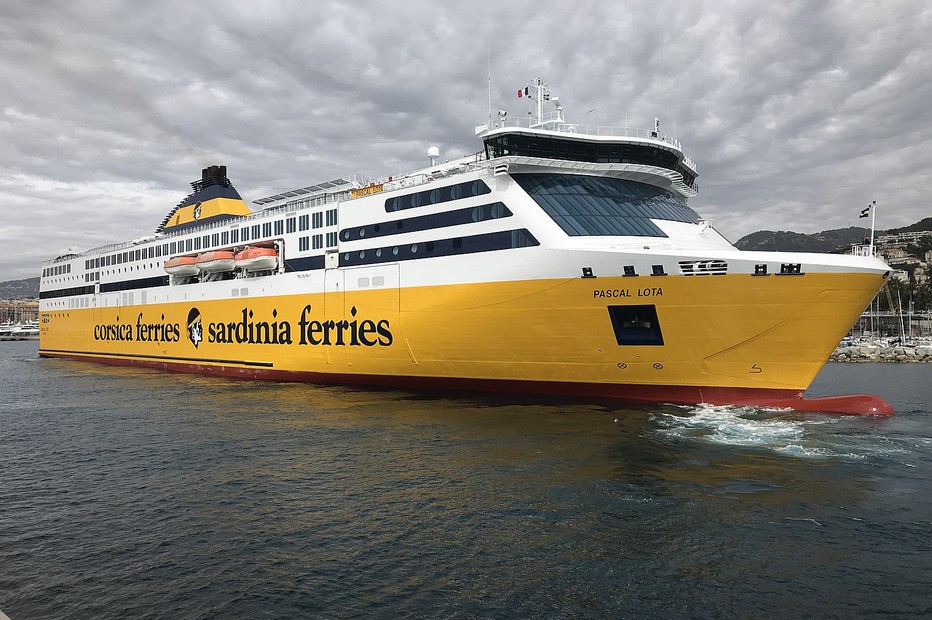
x: 725, y: 338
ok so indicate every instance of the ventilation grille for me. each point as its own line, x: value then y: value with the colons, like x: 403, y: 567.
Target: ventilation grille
x: 703, y: 267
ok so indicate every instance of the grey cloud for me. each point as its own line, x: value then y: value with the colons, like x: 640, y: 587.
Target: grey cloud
x: 798, y: 113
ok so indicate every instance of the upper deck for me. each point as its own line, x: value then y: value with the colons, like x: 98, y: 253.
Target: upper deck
x: 547, y: 135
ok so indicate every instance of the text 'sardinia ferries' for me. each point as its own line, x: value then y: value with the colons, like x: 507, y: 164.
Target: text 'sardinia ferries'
x: 561, y: 259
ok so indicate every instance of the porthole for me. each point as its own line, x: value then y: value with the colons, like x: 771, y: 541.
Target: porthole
x: 346, y: 256
x: 362, y: 233
x: 395, y: 203
x: 378, y: 253
x: 478, y: 214
x: 362, y: 254
x: 415, y: 200
x: 377, y: 228
x: 474, y: 188
x: 346, y: 235
x: 414, y: 248
x: 498, y: 210
x: 434, y: 196
x: 456, y: 192
x: 395, y: 250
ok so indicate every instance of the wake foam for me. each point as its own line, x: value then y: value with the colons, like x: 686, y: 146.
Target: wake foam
x: 752, y: 427
x: 788, y: 433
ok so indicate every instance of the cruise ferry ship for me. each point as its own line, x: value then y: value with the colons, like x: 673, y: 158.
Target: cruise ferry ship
x: 559, y: 259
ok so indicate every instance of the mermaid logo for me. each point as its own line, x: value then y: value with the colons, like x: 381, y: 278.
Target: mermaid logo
x: 195, y: 329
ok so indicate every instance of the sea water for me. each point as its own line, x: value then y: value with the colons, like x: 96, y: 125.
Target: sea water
x: 136, y: 494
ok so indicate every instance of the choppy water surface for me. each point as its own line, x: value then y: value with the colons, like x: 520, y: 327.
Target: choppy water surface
x: 134, y: 494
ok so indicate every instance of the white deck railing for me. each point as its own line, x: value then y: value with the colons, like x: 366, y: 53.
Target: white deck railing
x: 553, y: 121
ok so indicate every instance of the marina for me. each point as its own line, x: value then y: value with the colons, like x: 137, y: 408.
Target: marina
x: 19, y: 331
x: 19, y: 320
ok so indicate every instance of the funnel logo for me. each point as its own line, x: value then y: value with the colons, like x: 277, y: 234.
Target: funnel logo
x: 197, y: 211
x: 195, y: 329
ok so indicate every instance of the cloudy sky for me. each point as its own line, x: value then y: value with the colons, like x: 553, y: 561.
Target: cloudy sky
x: 798, y: 113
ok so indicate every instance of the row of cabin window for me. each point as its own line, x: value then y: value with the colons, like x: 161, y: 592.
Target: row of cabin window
x: 430, y: 221
x: 438, y: 195
x: 500, y: 240
x: 316, y: 242
x: 56, y: 271
x: 67, y: 292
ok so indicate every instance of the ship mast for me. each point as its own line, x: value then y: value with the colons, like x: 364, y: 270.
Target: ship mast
x: 540, y: 86
x: 543, y: 94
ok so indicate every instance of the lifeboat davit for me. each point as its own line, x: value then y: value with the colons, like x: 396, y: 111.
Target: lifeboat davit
x: 257, y: 259
x: 181, y: 266
x: 216, y: 261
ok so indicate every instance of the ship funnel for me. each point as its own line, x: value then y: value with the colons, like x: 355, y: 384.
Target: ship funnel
x: 212, y: 197
x: 214, y: 173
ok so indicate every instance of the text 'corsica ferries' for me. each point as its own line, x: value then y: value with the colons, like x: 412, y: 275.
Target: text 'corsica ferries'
x: 560, y: 259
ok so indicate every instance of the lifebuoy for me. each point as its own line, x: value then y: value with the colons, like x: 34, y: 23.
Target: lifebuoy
x: 401, y: 182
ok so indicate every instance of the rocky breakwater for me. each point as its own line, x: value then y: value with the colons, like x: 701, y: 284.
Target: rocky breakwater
x: 862, y: 353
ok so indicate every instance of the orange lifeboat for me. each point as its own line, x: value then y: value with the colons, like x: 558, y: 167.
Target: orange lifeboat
x: 216, y: 261
x: 253, y: 258
x: 181, y: 266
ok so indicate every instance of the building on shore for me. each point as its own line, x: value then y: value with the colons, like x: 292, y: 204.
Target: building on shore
x: 19, y: 310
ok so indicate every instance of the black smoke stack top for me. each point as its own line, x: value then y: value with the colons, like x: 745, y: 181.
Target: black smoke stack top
x: 211, y: 175
x: 214, y: 175
x: 218, y: 173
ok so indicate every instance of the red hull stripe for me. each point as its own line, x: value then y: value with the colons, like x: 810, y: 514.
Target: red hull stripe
x: 673, y: 394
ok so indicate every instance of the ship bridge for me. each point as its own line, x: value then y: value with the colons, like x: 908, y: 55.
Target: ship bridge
x: 549, y: 136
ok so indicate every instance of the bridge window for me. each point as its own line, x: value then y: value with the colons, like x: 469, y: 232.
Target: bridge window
x: 594, y: 206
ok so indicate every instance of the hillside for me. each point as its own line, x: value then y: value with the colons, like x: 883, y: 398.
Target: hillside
x: 925, y: 224
x: 20, y: 289
x: 836, y: 240
x: 787, y: 241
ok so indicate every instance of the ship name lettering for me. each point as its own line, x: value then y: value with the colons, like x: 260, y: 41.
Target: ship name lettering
x: 114, y: 331
x: 367, y: 191
x: 248, y: 331
x: 343, y: 333
x: 611, y: 292
x: 157, y: 332
x: 650, y: 292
